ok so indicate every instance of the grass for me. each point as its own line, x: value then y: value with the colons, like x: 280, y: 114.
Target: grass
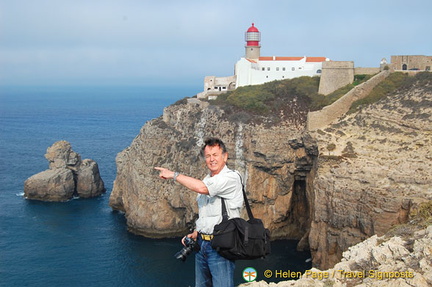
x: 262, y: 99
x: 296, y: 97
x: 266, y: 98
x: 420, y: 217
x: 393, y: 82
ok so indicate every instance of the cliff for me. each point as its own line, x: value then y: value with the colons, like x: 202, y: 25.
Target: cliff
x: 374, y: 166
x: 330, y: 188
x: 275, y: 161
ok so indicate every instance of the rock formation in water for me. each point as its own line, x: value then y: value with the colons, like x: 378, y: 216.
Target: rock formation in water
x: 330, y: 188
x: 67, y: 176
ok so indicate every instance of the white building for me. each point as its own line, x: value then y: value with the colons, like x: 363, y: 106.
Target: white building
x: 267, y: 69
x: 254, y: 69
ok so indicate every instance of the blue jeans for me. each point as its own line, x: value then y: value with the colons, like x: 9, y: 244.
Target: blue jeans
x: 211, y: 269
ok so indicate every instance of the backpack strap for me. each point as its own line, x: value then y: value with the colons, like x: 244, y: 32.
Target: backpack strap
x: 248, y: 209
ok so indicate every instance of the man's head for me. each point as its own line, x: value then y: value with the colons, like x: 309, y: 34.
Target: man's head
x: 215, y: 155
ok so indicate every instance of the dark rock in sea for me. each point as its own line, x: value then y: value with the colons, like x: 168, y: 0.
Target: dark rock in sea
x: 67, y: 176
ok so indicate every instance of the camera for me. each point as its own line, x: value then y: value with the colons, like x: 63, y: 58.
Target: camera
x: 190, y: 245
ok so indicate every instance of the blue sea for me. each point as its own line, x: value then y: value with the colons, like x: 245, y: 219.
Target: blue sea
x: 83, y: 242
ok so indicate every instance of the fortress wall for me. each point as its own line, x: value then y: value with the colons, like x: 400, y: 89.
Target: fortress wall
x: 366, y: 71
x: 335, y: 75
x: 328, y: 114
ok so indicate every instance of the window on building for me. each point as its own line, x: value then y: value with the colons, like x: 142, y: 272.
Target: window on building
x: 277, y: 68
x: 318, y: 71
x: 292, y: 69
x: 283, y: 69
x: 263, y: 68
x: 404, y: 67
x: 268, y: 68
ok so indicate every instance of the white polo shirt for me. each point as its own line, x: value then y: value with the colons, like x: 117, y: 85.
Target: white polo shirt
x: 226, y: 184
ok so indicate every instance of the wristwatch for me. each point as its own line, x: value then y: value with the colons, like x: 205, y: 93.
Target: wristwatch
x: 175, y: 175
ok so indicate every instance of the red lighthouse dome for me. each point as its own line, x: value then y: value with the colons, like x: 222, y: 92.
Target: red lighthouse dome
x: 252, y: 36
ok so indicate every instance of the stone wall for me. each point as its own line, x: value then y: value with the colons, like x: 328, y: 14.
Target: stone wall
x: 366, y: 71
x: 328, y: 114
x: 335, y: 75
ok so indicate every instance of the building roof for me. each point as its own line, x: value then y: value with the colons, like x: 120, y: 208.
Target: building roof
x: 252, y: 28
x: 316, y: 59
x: 308, y: 59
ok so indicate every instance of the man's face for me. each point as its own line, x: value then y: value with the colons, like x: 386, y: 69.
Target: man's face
x: 215, y: 159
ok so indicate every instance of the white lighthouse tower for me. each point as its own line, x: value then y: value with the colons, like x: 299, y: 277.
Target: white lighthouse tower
x: 252, y: 38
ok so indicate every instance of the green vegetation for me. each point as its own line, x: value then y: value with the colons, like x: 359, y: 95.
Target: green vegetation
x: 266, y: 98
x: 323, y: 101
x: 271, y: 102
x: 420, y: 217
x: 272, y: 97
x: 393, y: 81
x: 387, y: 87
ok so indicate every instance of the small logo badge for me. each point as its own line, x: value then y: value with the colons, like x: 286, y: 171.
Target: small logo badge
x: 249, y: 274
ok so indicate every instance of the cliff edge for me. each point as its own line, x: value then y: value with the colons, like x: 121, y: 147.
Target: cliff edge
x: 330, y: 189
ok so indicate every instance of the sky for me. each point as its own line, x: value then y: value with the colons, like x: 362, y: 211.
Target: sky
x: 142, y: 42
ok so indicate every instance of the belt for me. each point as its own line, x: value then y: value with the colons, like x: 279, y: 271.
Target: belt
x: 206, y: 237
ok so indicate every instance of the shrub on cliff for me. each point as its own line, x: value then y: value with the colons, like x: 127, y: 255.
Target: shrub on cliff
x: 321, y: 101
x: 394, y: 81
x: 276, y: 97
x: 291, y: 98
x: 420, y: 217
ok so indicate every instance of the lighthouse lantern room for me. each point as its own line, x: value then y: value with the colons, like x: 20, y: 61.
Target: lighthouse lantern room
x: 252, y: 38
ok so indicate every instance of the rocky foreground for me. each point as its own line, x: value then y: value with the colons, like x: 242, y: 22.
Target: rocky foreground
x: 377, y: 261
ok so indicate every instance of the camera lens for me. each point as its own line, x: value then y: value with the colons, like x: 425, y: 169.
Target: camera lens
x: 191, y: 245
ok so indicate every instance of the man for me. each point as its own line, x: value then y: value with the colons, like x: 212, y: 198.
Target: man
x: 211, y: 269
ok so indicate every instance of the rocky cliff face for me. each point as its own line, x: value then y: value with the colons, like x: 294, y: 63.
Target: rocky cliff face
x: 330, y: 189
x: 275, y: 161
x: 374, y: 166
x: 67, y: 176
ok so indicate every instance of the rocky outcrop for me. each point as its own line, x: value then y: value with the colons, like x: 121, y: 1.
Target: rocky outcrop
x: 67, y: 176
x: 330, y: 189
x: 377, y: 261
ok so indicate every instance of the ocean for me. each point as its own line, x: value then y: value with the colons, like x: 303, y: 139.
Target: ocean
x: 83, y: 242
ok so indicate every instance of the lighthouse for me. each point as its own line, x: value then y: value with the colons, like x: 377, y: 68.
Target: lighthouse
x: 252, y: 38
x: 254, y: 69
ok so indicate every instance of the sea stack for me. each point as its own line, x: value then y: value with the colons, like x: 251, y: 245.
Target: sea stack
x: 67, y: 176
